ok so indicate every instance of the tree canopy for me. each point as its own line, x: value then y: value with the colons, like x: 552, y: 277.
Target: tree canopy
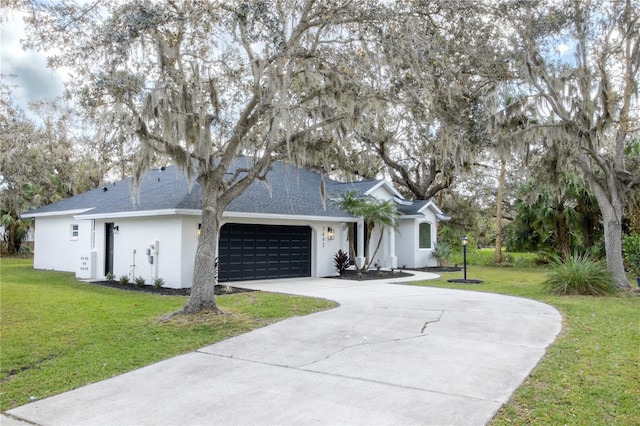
x: 421, y: 93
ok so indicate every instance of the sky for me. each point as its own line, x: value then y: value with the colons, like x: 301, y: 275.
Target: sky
x: 25, y: 71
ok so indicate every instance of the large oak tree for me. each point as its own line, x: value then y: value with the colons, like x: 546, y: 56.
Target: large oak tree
x: 581, y: 62
x: 203, y: 82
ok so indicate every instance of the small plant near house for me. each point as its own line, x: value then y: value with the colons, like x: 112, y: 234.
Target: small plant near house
x: 442, y: 253
x: 341, y: 261
x: 158, y: 282
x: 579, y: 275
x: 124, y: 279
x: 110, y: 277
x: 140, y: 281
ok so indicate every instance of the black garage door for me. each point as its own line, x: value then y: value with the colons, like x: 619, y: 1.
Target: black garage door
x: 256, y: 252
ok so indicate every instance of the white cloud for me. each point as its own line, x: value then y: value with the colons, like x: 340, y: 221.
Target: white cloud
x: 25, y: 71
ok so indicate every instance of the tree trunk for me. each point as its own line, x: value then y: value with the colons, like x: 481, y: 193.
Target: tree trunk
x: 563, y: 233
x: 497, y: 256
x: 205, y: 273
x: 611, y: 209
x: 353, y: 229
x: 377, y: 248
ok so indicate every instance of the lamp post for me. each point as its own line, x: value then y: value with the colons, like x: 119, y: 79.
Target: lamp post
x: 465, y: 241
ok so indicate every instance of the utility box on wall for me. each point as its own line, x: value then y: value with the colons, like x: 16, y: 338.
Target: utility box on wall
x: 86, y: 266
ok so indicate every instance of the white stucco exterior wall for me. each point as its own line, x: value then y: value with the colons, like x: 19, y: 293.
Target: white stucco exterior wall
x: 140, y: 234
x: 408, y: 243
x: 54, y: 246
x: 189, y: 245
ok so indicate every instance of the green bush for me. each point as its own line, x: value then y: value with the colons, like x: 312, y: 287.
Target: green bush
x: 124, y: 279
x: 158, y: 282
x: 140, y: 281
x: 579, y: 275
x: 442, y: 253
x: 110, y: 277
x: 631, y: 252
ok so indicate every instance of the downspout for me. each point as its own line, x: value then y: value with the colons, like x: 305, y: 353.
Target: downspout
x: 155, y: 256
x: 133, y: 266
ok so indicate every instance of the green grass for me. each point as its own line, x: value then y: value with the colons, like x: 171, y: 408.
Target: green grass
x: 484, y: 257
x: 58, y: 334
x: 591, y: 374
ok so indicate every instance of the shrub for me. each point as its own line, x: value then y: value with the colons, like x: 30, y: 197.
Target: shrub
x: 631, y: 252
x: 140, y: 281
x: 158, y: 282
x: 341, y: 261
x: 25, y: 250
x: 442, y: 253
x: 579, y: 275
x: 124, y: 279
x: 110, y: 277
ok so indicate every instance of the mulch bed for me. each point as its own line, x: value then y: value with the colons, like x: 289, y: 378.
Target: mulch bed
x: 224, y: 289
x: 439, y: 269
x: 220, y: 289
x: 374, y: 274
x: 371, y: 275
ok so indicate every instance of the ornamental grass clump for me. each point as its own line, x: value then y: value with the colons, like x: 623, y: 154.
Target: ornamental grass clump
x: 579, y: 275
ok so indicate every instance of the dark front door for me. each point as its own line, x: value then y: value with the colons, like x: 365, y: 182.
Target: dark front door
x: 255, y: 252
x: 108, y: 248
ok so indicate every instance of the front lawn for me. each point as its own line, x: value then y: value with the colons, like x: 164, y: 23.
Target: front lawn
x: 58, y: 334
x: 591, y: 374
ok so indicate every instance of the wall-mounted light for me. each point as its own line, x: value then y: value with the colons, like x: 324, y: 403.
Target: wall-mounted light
x: 331, y: 234
x: 116, y: 228
x: 199, y: 230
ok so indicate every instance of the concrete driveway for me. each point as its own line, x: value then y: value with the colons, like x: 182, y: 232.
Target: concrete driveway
x: 390, y: 354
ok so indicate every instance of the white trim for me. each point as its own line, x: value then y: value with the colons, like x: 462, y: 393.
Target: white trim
x: 432, y: 229
x: 412, y: 216
x: 430, y: 204
x: 74, y: 231
x: 57, y: 213
x: 274, y: 216
x: 388, y: 185
x: 402, y: 201
x: 140, y: 213
x: 225, y: 215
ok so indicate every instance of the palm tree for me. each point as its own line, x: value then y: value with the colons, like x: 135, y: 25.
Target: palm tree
x: 349, y: 202
x: 374, y: 213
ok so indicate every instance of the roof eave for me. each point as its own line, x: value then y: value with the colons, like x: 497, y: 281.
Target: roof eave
x: 140, y: 213
x: 56, y: 213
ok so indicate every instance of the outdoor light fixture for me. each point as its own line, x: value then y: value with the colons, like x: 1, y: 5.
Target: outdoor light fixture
x: 331, y: 234
x: 465, y: 241
x: 116, y: 228
x: 199, y: 229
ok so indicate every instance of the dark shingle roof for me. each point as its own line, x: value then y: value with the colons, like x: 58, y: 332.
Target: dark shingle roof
x: 413, y: 208
x: 289, y: 191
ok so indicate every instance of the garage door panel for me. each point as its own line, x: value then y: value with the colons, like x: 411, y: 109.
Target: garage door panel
x: 251, y: 252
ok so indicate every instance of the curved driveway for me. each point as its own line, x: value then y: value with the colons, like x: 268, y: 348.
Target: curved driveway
x: 390, y: 354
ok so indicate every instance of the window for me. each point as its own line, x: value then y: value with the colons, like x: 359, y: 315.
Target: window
x: 425, y: 235
x: 74, y: 232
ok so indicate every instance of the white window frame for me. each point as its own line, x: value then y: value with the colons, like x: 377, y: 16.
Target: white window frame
x: 430, y: 236
x: 74, y: 231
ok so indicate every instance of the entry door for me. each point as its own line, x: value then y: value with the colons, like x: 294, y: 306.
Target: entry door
x: 108, y: 249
